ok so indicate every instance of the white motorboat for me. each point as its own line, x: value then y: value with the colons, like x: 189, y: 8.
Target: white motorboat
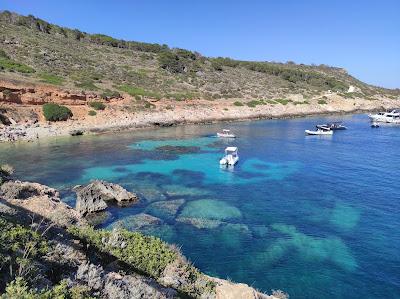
x: 319, y: 132
x: 226, y: 134
x: 386, y: 117
x: 231, y: 156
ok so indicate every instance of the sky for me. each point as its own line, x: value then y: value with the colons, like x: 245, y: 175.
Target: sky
x: 361, y: 36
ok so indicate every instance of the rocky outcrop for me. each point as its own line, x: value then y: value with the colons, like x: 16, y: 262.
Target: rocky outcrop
x: 26, y: 190
x: 40, y: 200
x: 116, y: 285
x: 228, y: 290
x: 94, y: 196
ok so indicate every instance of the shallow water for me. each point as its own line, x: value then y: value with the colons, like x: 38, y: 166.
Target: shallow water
x: 314, y: 216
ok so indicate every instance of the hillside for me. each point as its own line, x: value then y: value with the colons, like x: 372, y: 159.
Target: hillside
x: 54, y: 61
x: 79, y: 60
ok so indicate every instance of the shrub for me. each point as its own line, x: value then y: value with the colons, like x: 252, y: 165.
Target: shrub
x: 108, y: 93
x: 237, y: 103
x: 97, y: 105
x: 92, y: 113
x: 282, y: 101
x: 55, y: 112
x: 6, y: 171
x: 322, y: 102
x: 51, y: 79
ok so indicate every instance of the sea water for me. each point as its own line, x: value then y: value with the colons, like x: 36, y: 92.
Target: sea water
x: 314, y: 216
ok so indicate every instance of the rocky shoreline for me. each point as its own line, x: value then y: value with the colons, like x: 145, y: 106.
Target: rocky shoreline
x: 35, y: 131
x: 96, y: 262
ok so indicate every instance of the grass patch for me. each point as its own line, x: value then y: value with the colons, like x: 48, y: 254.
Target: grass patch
x: 13, y: 66
x: 182, y: 96
x: 138, y: 91
x: 86, y: 84
x: 51, y: 78
x: 92, y: 113
x: 238, y: 103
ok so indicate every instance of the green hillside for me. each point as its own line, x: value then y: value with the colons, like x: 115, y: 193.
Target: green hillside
x: 38, y: 51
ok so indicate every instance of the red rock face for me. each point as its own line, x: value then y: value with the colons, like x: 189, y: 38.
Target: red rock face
x: 12, y: 92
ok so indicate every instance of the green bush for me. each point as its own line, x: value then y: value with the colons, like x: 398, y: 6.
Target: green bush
x: 97, y: 105
x: 55, y: 112
x: 92, y: 113
x: 19, y: 289
x: 237, y: 103
x: 322, y: 102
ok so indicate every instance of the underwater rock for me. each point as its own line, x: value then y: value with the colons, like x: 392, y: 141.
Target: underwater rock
x: 200, y: 222
x: 310, y: 248
x: 166, y: 208
x: 138, y: 222
x: 179, y: 149
x: 210, y: 209
x: 178, y: 190
x: 98, y: 218
x: 151, y: 193
x: 259, y: 231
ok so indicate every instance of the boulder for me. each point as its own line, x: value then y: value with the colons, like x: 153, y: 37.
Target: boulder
x: 89, y: 201
x: 93, y: 197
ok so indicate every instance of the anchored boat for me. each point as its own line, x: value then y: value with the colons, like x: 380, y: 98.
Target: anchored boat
x: 386, y: 117
x: 226, y: 134
x: 319, y: 132
x: 231, y: 156
x: 332, y: 126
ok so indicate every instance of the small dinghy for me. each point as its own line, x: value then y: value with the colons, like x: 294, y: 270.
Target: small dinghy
x: 319, y: 132
x: 231, y: 156
x: 374, y: 125
x: 226, y: 134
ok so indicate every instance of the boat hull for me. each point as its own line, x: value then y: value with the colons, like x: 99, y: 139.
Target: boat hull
x: 309, y: 132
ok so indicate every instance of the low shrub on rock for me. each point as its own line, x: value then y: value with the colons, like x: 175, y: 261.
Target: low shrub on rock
x: 55, y: 112
x: 92, y: 113
x: 151, y: 256
x: 97, y: 105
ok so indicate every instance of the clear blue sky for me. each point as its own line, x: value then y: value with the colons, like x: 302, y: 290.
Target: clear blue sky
x: 361, y: 36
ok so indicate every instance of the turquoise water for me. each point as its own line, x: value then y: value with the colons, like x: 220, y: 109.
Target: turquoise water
x: 317, y: 217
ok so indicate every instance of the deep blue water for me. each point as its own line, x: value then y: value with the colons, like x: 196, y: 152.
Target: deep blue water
x: 317, y: 217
